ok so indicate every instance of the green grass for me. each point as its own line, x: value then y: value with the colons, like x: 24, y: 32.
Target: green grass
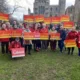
x: 44, y: 65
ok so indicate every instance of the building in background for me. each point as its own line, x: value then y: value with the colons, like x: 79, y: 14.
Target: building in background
x: 70, y: 11
x: 77, y: 11
x: 43, y: 7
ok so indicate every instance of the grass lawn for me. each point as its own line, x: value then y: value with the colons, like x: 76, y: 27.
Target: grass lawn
x: 44, y: 65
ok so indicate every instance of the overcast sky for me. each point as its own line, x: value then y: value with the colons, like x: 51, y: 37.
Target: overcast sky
x: 29, y: 4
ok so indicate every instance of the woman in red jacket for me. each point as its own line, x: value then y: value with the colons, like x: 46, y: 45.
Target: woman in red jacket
x: 4, y: 41
x: 37, y: 43
x: 15, y: 44
x: 44, y: 30
x: 71, y: 35
x: 78, y: 42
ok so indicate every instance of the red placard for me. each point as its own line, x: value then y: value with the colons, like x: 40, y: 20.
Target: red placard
x: 47, y: 20
x: 28, y: 18
x: 65, y: 18
x: 17, y: 33
x: 39, y: 18
x: 68, y: 25
x: 36, y: 36
x: 18, y: 52
x: 5, y: 34
x: 28, y: 36
x: 54, y: 36
x: 55, y: 20
x: 4, y: 17
x: 44, y: 36
x: 70, y: 43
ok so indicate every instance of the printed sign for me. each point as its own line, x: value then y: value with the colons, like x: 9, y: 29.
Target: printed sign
x: 18, y: 52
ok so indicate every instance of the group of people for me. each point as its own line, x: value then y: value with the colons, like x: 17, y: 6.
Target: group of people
x: 8, y: 43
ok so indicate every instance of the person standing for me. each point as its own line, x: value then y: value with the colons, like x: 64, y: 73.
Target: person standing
x: 44, y: 30
x: 27, y: 43
x: 37, y: 43
x: 4, y: 41
x: 62, y: 38
x: 53, y: 42
x: 71, y: 36
x: 78, y: 42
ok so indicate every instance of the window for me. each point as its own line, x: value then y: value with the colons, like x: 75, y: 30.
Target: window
x: 41, y: 9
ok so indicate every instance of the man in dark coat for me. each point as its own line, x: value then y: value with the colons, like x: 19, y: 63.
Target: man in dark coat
x: 62, y: 36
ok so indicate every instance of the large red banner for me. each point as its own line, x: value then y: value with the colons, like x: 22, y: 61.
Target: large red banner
x: 68, y: 25
x: 39, y: 18
x: 16, y: 33
x: 70, y: 43
x: 28, y: 18
x: 55, y: 20
x: 54, y: 36
x: 28, y: 36
x: 65, y: 18
x: 47, y: 20
x: 44, y: 36
x: 5, y: 34
x: 4, y: 17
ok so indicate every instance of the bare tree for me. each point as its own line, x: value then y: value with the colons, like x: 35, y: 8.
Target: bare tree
x: 16, y: 7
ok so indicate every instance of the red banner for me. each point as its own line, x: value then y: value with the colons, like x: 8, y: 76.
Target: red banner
x: 44, y: 36
x: 47, y: 20
x: 70, y: 43
x: 28, y: 36
x: 36, y: 36
x: 18, y: 52
x: 16, y: 33
x: 65, y: 18
x: 55, y: 20
x: 4, y: 17
x: 54, y: 36
x: 5, y: 34
x: 28, y: 18
x: 68, y: 24
x: 39, y: 18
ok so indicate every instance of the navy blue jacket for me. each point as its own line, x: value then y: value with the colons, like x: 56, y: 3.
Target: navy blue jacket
x: 62, y: 34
